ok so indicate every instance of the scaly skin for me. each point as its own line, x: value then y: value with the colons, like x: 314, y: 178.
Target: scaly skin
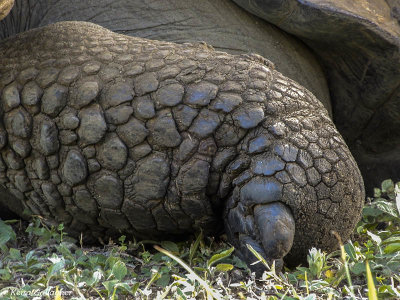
x: 357, y: 43
x: 5, y: 7
x: 112, y: 134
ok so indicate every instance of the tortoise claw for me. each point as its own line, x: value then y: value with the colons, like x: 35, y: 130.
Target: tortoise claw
x: 276, y: 228
x: 272, y: 235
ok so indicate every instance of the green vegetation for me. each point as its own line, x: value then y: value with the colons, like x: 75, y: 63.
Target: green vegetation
x: 37, y: 261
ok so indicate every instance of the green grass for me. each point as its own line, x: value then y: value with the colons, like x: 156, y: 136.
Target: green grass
x: 37, y: 261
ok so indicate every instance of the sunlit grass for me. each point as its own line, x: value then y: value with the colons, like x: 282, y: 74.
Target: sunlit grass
x: 44, y: 262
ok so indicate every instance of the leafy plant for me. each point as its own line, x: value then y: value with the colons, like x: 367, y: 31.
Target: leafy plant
x: 7, y: 235
x: 47, y: 260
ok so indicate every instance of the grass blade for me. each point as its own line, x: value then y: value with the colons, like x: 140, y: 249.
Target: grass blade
x: 346, y: 265
x: 187, y: 268
x: 370, y: 282
x: 194, y: 247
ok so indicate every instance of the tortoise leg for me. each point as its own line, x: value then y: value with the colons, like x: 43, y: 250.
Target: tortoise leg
x: 272, y: 234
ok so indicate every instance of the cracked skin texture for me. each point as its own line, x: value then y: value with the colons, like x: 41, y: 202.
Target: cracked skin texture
x: 112, y: 134
x: 357, y: 43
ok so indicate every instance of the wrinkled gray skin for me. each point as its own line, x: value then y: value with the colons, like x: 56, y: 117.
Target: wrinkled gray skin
x: 221, y: 24
x: 112, y: 134
x: 358, y: 44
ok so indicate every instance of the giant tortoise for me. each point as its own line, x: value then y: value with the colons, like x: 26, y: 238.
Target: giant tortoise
x: 172, y: 121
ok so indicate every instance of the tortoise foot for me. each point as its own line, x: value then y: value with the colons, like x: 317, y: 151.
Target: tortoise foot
x: 269, y: 229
